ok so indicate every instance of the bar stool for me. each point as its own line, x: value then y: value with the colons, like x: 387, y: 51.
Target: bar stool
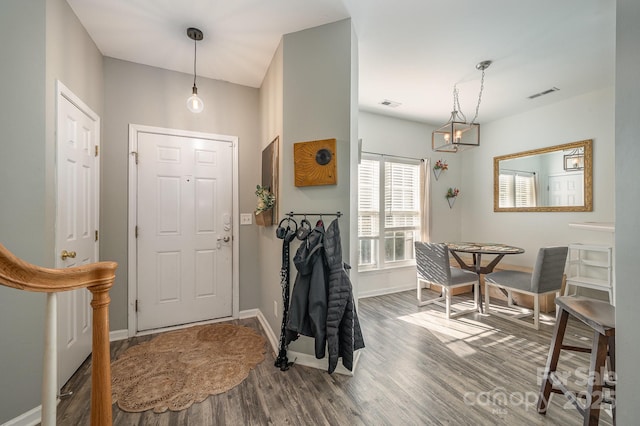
x: 600, y: 316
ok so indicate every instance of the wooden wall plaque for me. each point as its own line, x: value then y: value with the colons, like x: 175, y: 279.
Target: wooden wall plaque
x: 315, y: 163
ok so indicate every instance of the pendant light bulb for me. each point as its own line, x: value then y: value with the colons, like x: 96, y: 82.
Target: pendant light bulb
x: 194, y: 103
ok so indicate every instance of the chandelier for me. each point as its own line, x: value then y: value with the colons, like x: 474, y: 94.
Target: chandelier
x: 457, y: 134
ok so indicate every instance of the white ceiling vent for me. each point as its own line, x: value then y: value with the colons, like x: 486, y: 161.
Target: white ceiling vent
x: 544, y: 92
x: 390, y: 104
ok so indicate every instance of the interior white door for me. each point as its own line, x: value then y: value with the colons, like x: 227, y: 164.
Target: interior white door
x: 76, y: 227
x: 184, y: 229
x: 566, y: 189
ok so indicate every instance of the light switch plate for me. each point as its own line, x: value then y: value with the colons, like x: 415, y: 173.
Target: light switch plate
x: 246, y: 218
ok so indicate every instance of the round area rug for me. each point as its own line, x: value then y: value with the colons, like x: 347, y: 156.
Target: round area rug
x: 178, y: 368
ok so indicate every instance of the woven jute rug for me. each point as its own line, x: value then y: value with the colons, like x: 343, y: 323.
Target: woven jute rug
x: 178, y: 368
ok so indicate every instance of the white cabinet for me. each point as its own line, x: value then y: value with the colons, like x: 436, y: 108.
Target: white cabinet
x: 590, y: 266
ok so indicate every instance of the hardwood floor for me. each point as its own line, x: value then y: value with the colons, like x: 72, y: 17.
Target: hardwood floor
x: 417, y: 369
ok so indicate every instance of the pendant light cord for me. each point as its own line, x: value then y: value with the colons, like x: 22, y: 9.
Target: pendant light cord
x: 195, y: 56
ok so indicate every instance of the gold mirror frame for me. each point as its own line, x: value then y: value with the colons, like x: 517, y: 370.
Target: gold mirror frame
x: 588, y: 178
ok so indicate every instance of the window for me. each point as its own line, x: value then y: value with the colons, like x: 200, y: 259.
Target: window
x: 388, y: 212
x: 517, y: 189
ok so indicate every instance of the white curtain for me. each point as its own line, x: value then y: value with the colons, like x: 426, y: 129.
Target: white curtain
x: 425, y: 199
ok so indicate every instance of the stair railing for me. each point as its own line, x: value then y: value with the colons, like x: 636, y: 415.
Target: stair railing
x: 97, y: 278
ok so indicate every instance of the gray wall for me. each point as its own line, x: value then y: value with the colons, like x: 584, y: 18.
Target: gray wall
x: 22, y: 131
x: 589, y: 116
x: 316, y: 104
x: 269, y: 252
x: 41, y: 41
x: 627, y: 151
x: 145, y: 95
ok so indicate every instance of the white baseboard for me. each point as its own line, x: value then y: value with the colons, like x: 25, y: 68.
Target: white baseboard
x: 268, y: 331
x: 383, y: 291
x: 321, y: 364
x: 302, y: 358
x: 249, y: 313
x: 116, y: 335
x: 30, y: 418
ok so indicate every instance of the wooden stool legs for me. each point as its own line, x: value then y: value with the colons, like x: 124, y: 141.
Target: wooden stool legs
x: 552, y: 361
x: 603, y: 345
x: 594, y: 394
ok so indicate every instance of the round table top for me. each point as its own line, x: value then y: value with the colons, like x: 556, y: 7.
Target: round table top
x: 484, y: 248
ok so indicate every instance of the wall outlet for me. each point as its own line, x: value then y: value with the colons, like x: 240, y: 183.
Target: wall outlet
x: 275, y: 308
x: 246, y: 218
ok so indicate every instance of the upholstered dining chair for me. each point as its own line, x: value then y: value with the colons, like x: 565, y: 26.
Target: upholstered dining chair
x: 432, y: 264
x: 546, y: 278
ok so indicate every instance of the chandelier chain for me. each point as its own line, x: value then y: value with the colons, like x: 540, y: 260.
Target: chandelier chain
x: 456, y: 103
x: 479, y: 97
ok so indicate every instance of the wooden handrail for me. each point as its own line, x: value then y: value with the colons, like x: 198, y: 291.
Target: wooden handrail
x: 97, y: 278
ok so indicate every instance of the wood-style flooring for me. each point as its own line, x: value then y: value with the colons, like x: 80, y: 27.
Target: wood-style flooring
x: 417, y: 369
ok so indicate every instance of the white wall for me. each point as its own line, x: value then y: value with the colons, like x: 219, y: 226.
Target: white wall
x: 590, y: 116
x: 393, y: 136
x: 627, y: 194
x: 151, y: 96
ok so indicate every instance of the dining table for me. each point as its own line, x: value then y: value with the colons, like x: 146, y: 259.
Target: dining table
x: 477, y: 250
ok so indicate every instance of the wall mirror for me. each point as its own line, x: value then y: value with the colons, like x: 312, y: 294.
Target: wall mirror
x: 553, y: 179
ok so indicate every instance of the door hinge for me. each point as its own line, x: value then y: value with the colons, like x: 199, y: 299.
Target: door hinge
x: 135, y: 155
x: 96, y: 235
x: 136, y: 305
x: 136, y: 231
x: 97, y: 150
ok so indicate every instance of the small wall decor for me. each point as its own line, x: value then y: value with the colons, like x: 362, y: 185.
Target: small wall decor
x: 315, y: 163
x: 264, y: 206
x: 439, y: 167
x: 452, y: 193
x: 270, y: 174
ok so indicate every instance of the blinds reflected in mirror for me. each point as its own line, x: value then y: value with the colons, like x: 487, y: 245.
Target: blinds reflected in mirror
x: 517, y: 189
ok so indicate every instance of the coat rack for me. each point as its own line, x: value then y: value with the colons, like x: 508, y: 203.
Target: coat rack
x: 282, y: 362
x: 291, y: 214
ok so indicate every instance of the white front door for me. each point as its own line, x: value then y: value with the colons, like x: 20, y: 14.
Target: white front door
x: 77, y: 184
x: 184, y: 230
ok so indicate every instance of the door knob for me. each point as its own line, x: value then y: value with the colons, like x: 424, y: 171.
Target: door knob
x: 226, y: 238
x: 65, y: 254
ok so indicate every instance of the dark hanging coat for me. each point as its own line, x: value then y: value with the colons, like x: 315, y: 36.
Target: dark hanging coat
x: 308, y: 310
x: 344, y: 335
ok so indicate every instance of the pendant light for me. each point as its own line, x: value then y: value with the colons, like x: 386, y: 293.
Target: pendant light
x: 457, y: 135
x: 194, y: 103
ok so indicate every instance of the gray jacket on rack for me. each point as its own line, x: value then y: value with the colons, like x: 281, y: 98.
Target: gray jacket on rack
x: 344, y: 335
x: 308, y: 310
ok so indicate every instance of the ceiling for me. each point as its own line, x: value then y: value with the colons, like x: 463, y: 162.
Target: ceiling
x: 410, y: 51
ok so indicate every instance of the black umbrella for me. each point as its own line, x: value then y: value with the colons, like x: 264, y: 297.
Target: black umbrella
x: 286, y: 234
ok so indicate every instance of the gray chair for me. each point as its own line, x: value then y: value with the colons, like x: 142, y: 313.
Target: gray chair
x: 432, y: 264
x: 546, y: 278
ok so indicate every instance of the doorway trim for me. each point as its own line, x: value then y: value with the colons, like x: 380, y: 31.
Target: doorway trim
x: 134, y: 130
